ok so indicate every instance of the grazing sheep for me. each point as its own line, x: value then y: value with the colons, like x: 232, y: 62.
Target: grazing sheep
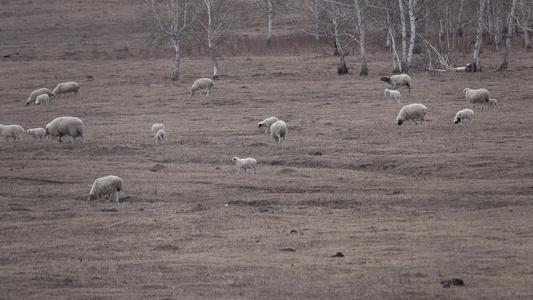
x: 411, y: 112
x: 200, y: 84
x: 493, y: 102
x: 156, y: 127
x: 278, y: 130
x: 267, y: 123
x: 245, y: 163
x: 62, y: 126
x: 392, y: 95
x: 37, y: 133
x: 66, y: 87
x: 477, y: 96
x: 160, y: 137
x: 106, y: 188
x: 43, y: 98
x: 14, y: 131
x: 463, y: 114
x: 38, y: 92
x: 398, y: 81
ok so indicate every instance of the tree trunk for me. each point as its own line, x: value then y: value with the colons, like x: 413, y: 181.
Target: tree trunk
x: 526, y: 14
x: 271, y: 15
x: 459, y: 23
x: 343, y: 69
x: 499, y: 24
x: 476, y: 67
x: 176, y: 74
x: 214, y: 59
x: 510, y: 31
x: 362, y: 33
x: 404, y: 34
x: 412, y: 20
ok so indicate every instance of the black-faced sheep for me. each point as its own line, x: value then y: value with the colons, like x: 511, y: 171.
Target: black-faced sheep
x: 392, y: 95
x: 65, y: 126
x: 245, y: 163
x: 477, y: 96
x: 202, y: 84
x: 463, y: 114
x: 398, y: 81
x: 38, y: 92
x: 160, y: 136
x: 106, y: 188
x: 411, y: 112
x: 37, y: 133
x: 14, y: 131
x: 266, y: 123
x: 66, y: 87
x: 42, y: 98
x: 278, y: 130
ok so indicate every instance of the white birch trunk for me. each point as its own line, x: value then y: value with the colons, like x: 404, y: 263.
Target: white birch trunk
x: 510, y: 31
x: 271, y: 15
x: 476, y: 67
x: 362, y: 34
x: 404, y: 34
x: 412, y: 20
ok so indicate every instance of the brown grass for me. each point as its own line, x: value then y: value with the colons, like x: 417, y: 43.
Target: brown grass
x: 408, y: 206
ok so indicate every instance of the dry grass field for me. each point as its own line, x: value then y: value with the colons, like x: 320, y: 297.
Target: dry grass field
x: 407, y: 206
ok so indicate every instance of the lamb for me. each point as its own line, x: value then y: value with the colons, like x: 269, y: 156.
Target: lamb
x: 202, y: 83
x: 267, y: 123
x: 246, y: 163
x: 411, y: 112
x: 398, y: 81
x: 160, y: 137
x: 14, y: 131
x: 463, y: 114
x: 61, y: 126
x: 43, y: 98
x: 37, y: 133
x: 34, y: 94
x: 393, y: 95
x: 493, y: 102
x: 278, y: 130
x: 66, y: 87
x: 156, y: 127
x: 106, y: 188
x: 477, y: 96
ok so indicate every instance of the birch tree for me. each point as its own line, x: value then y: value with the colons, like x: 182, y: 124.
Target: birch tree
x: 523, y: 21
x: 171, y: 17
x: 272, y: 9
x: 212, y: 19
x: 362, y: 32
x: 510, y: 31
x: 476, y: 67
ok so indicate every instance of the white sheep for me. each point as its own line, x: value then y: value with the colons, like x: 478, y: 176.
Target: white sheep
x: 106, y: 188
x: 245, y: 163
x: 37, y: 133
x: 160, y: 137
x: 411, y: 112
x: 200, y: 84
x: 398, y: 81
x: 477, y: 96
x: 65, y: 126
x: 493, y: 102
x: 42, y: 98
x: 156, y: 127
x: 463, y: 114
x: 392, y: 95
x: 14, y: 131
x: 38, y: 92
x: 278, y: 130
x: 66, y: 87
x: 267, y: 123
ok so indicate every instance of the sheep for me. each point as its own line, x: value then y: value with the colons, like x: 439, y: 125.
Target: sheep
x: 34, y: 94
x: 398, y: 81
x: 392, y: 95
x: 160, y: 137
x: 202, y: 83
x: 267, y: 123
x: 106, y: 188
x: 66, y: 87
x: 245, y: 163
x: 493, y: 102
x: 43, y: 98
x: 463, y: 114
x: 477, y: 96
x: 411, y: 112
x: 62, y: 126
x: 14, y: 131
x: 278, y: 130
x: 37, y: 133
x: 156, y: 127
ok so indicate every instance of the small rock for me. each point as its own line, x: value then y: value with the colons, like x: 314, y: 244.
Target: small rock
x: 339, y: 254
